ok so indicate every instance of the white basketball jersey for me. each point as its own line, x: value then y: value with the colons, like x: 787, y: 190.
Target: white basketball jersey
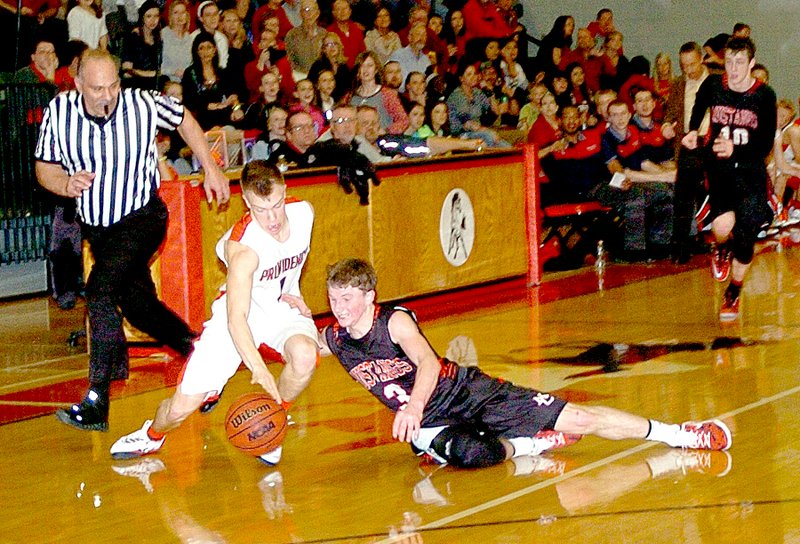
x: 279, y: 263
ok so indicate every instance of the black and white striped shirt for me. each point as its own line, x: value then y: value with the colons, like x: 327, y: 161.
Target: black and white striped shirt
x: 121, y: 151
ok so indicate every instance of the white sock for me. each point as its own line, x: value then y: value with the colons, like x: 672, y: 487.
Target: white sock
x: 664, y: 464
x: 668, y: 433
x: 523, y: 445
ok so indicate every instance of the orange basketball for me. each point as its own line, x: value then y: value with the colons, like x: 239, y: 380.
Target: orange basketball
x: 255, y: 423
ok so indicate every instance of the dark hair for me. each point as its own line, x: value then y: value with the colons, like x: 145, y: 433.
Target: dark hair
x: 691, y: 47
x: 639, y: 65
x: 429, y: 106
x: 205, y: 37
x: 556, y: 36
x: 144, y: 8
x: 260, y: 177
x: 72, y: 50
x: 462, y: 66
x: 738, y: 27
x: 352, y: 272
x: 410, y: 74
x: 603, y: 12
x: 718, y: 43
x: 735, y: 45
x: 447, y: 29
x: 41, y: 38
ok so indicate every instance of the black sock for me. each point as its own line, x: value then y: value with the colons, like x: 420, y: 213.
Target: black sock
x: 734, y: 289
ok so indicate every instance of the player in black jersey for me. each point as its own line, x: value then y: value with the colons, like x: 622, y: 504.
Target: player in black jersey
x: 743, y: 119
x: 460, y: 415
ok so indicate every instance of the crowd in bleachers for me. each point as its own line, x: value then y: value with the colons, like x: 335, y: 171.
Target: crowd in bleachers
x: 395, y: 79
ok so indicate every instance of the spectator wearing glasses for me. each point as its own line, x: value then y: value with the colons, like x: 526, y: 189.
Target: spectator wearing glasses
x: 332, y: 58
x: 344, y: 130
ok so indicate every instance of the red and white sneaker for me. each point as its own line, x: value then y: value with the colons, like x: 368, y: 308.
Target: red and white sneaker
x: 720, y: 263
x: 712, y: 434
x: 136, y: 444
x: 210, y: 401
x: 553, y: 440
x: 714, y: 463
x: 729, y: 311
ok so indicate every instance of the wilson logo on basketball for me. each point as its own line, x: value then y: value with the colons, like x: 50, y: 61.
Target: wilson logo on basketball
x: 237, y: 421
x: 255, y: 434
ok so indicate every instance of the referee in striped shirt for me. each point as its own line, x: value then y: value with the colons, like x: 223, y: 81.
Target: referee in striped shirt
x: 97, y: 145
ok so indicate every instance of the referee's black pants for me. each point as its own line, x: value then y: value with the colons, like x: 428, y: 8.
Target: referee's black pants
x: 688, y: 192
x: 120, y: 285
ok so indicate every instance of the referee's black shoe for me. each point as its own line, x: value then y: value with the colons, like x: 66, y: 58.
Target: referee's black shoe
x: 90, y: 415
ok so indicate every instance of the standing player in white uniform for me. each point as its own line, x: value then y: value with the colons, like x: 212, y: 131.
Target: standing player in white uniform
x: 259, y: 304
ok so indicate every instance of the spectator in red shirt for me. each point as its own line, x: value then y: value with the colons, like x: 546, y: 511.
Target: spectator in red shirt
x: 455, y: 35
x: 417, y: 15
x: 483, y: 19
x: 602, y: 27
x: 42, y: 68
x: 351, y: 34
x: 269, y: 59
x: 272, y: 9
x: 545, y: 133
x: 585, y: 54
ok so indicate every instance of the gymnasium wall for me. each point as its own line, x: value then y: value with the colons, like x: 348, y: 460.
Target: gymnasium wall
x: 651, y: 26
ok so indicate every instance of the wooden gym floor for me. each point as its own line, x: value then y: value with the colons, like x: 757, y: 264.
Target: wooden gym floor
x: 648, y: 342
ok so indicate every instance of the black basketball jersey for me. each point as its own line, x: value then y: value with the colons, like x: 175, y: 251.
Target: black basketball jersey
x: 382, y: 366
x: 748, y: 118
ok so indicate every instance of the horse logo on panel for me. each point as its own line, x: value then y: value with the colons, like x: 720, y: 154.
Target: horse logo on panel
x: 457, y: 227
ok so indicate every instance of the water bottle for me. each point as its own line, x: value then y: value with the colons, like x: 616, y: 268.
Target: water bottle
x: 600, y: 261
x: 600, y: 265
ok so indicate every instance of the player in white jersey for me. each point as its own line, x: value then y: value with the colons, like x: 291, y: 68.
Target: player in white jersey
x: 260, y: 303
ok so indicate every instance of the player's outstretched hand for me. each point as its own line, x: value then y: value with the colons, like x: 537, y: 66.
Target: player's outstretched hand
x: 406, y: 424
x: 296, y: 302
x: 262, y: 377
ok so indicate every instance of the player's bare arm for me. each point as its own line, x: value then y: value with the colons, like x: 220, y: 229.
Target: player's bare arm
x: 405, y: 332
x: 794, y: 139
x: 785, y: 166
x: 214, y: 182
x: 242, y: 263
